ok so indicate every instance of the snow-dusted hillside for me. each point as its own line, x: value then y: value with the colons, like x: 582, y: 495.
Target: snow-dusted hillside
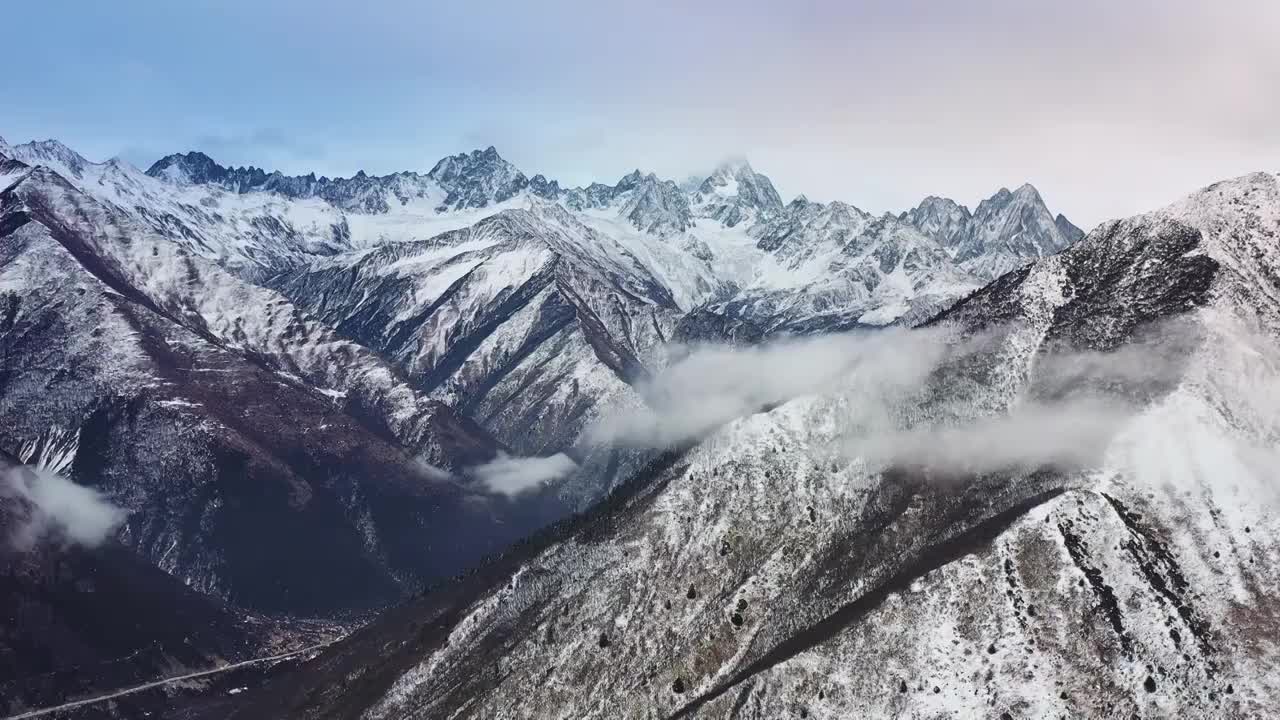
x: 1074, y: 515
x: 252, y: 233
x: 245, y: 438
x: 524, y: 321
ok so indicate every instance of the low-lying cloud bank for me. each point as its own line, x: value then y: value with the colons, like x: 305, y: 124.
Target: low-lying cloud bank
x: 926, y: 399
x: 57, y: 508
x: 709, y: 385
x: 916, y: 398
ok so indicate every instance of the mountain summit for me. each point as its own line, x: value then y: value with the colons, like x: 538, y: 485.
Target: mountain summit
x: 735, y: 193
x: 1001, y: 234
x: 477, y: 179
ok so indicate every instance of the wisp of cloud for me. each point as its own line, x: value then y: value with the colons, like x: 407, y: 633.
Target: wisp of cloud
x: 59, y: 508
x: 511, y: 476
x: 709, y: 385
x: 905, y: 406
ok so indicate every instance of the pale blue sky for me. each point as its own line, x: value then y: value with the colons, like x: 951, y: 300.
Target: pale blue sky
x: 1108, y: 107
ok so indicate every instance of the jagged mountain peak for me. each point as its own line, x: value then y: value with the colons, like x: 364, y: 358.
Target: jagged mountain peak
x: 844, y: 208
x: 540, y: 186
x: 192, y: 167
x: 1025, y: 193
x: 656, y: 206
x: 649, y: 203
x: 1006, y: 229
x: 637, y: 177
x: 940, y: 218
x: 477, y: 179
x: 52, y: 153
x: 486, y: 159
x: 935, y: 202
x: 735, y: 193
x: 467, y: 180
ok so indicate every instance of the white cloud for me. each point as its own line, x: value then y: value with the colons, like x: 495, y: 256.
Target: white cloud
x: 59, y: 508
x: 511, y: 476
x: 901, y: 407
x: 432, y: 472
x: 1065, y: 435
x: 709, y: 385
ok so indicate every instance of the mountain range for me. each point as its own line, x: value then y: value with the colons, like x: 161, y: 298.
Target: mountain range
x: 757, y: 574
x: 308, y: 396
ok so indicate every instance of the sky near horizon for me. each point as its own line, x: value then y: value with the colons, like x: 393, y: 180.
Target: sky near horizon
x: 1109, y: 107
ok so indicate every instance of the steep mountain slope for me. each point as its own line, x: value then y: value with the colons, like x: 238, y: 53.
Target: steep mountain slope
x: 263, y: 460
x: 524, y: 321
x: 758, y: 574
x: 734, y: 194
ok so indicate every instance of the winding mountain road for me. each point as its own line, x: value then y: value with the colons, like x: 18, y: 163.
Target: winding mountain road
x: 158, y: 683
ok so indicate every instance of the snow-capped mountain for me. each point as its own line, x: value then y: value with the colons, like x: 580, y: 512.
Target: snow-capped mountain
x: 523, y: 321
x: 251, y: 234
x: 721, y: 235
x: 289, y: 381
x: 1005, y: 230
x: 837, y: 266
x: 942, y: 219
x: 650, y: 204
x: 458, y: 182
x: 518, y: 304
x: 757, y: 574
x: 735, y: 193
